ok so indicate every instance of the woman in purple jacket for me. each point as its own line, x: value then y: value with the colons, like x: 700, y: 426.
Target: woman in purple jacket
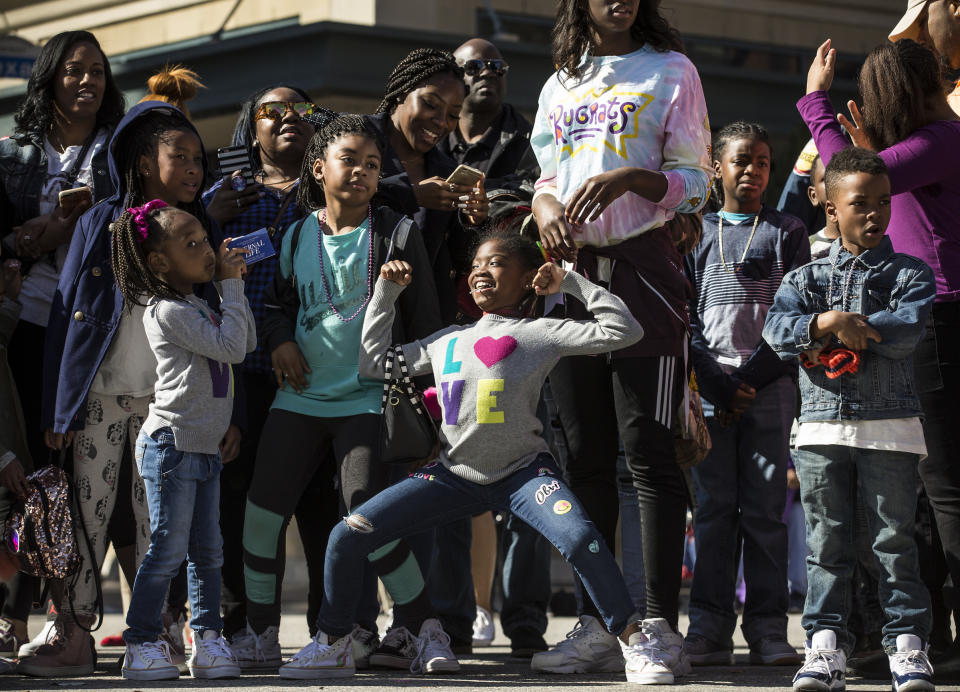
x: 907, y: 120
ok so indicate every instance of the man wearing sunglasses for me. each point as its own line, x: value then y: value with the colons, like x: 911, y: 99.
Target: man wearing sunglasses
x: 493, y: 137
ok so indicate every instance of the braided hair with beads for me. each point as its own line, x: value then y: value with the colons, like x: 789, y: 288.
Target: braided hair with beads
x: 418, y: 66
x: 129, y: 249
x: 310, y: 192
x: 727, y: 134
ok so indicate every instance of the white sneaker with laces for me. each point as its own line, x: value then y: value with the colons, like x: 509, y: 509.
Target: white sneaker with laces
x: 397, y: 650
x: 910, y: 666
x: 825, y: 666
x: 433, y: 650
x: 588, y: 648
x: 321, y: 659
x: 149, y: 661
x: 212, y: 657
x: 257, y: 652
x: 365, y: 643
x: 483, y: 630
x: 44, y: 636
x: 173, y: 634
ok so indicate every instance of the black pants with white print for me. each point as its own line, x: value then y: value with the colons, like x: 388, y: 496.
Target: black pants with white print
x: 635, y: 398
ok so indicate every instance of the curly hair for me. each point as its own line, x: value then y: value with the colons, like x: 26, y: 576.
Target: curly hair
x: 36, y: 113
x: 310, y: 191
x: 574, y: 33
x: 245, y: 131
x: 141, y: 138
x: 731, y: 133
x: 175, y: 85
x: 512, y: 244
x: 418, y: 66
x: 129, y: 252
x: 849, y: 161
x: 895, y: 82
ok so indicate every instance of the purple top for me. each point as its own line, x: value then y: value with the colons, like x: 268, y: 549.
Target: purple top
x: 925, y: 181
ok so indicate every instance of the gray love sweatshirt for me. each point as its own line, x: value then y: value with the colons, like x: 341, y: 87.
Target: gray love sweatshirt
x: 194, y: 348
x: 489, y: 374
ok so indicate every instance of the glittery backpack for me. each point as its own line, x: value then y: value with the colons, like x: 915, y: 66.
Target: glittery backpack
x: 41, y: 534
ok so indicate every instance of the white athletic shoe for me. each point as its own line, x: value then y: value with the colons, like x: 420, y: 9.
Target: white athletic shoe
x: 910, y: 666
x: 320, y: 659
x: 433, y: 650
x: 149, y: 661
x: 483, y: 630
x: 588, y: 648
x: 365, y: 643
x: 825, y: 667
x: 44, y: 636
x: 257, y: 652
x: 212, y: 657
x: 655, y: 654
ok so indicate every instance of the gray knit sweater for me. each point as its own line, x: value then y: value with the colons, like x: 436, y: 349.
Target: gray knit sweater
x: 489, y: 374
x: 194, y: 349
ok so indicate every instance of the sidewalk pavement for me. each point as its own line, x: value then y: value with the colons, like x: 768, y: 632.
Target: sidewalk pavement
x: 489, y: 669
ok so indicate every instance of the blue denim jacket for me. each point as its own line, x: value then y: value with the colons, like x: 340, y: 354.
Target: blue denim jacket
x: 894, y: 291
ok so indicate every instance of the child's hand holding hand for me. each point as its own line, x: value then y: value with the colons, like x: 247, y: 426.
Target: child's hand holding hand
x: 820, y: 75
x: 230, y: 261
x: 397, y: 271
x: 851, y: 328
x: 548, y: 278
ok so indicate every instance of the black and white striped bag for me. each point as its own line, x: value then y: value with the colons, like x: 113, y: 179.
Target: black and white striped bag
x: 407, y: 432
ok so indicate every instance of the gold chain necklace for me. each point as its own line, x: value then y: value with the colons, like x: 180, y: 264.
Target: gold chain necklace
x: 723, y: 260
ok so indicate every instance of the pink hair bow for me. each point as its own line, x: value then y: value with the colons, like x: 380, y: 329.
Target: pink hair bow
x: 140, y: 215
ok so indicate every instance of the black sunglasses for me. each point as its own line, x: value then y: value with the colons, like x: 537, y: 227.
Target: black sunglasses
x: 475, y: 67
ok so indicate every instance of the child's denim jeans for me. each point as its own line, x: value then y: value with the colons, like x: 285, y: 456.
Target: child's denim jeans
x: 183, y: 493
x: 828, y: 490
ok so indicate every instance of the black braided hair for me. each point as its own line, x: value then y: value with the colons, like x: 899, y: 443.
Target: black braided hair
x: 128, y: 256
x: 310, y: 191
x: 508, y: 239
x: 141, y: 138
x: 731, y: 133
x: 417, y: 67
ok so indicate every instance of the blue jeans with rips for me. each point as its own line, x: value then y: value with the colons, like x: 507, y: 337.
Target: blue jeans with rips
x: 433, y: 496
x: 828, y: 490
x: 741, y: 494
x: 183, y: 494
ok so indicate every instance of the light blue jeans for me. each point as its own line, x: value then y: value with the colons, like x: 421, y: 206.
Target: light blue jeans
x: 183, y: 493
x: 828, y: 490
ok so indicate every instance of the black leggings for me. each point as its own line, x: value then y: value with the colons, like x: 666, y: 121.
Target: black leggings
x: 634, y: 398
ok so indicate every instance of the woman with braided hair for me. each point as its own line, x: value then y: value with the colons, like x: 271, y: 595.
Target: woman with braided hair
x: 421, y: 106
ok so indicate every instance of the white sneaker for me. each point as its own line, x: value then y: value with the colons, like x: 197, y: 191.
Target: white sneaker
x: 433, y: 650
x: 44, y: 636
x: 320, y: 659
x: 255, y: 652
x: 173, y: 634
x: 483, y: 630
x: 910, y: 666
x: 825, y: 667
x: 588, y: 648
x: 365, y: 643
x: 655, y: 655
x: 212, y: 657
x: 149, y: 661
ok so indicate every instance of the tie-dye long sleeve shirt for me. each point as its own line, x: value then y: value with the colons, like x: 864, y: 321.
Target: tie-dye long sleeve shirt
x: 645, y: 109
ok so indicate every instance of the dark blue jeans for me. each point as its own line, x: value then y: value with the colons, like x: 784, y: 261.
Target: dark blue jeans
x: 434, y: 496
x: 183, y: 494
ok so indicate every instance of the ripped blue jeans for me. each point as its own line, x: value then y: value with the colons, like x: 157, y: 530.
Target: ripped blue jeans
x: 433, y: 496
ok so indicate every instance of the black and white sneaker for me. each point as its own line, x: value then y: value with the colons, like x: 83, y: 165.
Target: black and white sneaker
x: 825, y: 667
x: 910, y: 667
x: 397, y: 650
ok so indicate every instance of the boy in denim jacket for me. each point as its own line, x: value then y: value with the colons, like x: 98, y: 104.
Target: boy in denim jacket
x: 854, y: 318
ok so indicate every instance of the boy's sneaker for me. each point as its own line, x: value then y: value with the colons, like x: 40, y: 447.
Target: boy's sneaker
x: 910, y: 666
x: 260, y: 652
x: 433, y: 650
x: 320, y: 659
x: 10, y: 643
x: 588, y: 648
x: 483, y: 630
x: 149, y: 661
x: 703, y: 652
x: 43, y: 637
x: 212, y: 657
x: 365, y: 643
x: 774, y: 650
x: 825, y: 667
x: 397, y: 650
x: 655, y: 655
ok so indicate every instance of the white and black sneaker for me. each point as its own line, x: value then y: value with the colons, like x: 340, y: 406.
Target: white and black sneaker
x: 365, y: 643
x: 321, y: 659
x: 257, y: 652
x: 825, y: 666
x: 433, y: 650
x: 909, y: 665
x: 397, y: 650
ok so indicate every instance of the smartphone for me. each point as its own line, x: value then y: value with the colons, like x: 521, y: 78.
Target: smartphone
x: 236, y: 158
x: 74, y: 197
x: 465, y: 175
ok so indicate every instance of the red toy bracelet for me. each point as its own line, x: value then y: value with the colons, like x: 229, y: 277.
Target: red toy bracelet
x: 837, y: 362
